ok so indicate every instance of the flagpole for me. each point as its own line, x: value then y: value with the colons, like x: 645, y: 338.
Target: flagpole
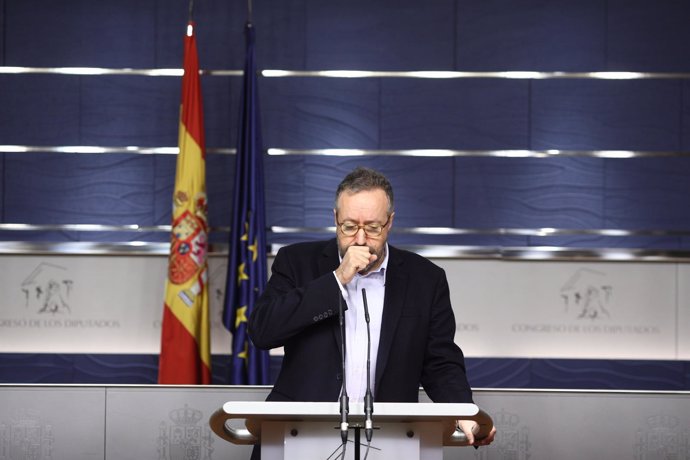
x: 191, y: 11
x: 249, y: 12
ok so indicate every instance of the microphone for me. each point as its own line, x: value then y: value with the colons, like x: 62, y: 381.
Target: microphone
x: 344, y: 400
x: 368, y: 397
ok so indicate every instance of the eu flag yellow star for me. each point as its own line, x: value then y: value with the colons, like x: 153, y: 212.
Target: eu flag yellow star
x: 241, y: 316
x: 241, y: 273
x: 244, y: 353
x: 245, y: 237
x: 254, y: 249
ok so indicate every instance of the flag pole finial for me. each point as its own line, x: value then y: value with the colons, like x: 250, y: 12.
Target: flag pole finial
x: 190, y: 19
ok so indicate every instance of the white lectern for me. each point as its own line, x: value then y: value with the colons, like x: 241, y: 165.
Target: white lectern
x: 295, y: 430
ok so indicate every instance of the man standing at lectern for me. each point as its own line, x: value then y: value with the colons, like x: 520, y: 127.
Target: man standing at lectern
x: 411, y: 319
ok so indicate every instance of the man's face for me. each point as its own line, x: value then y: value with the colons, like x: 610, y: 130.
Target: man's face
x: 369, y: 207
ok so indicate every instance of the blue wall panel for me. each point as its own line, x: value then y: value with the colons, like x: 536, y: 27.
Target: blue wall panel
x: 281, y: 34
x: 80, y: 33
x: 221, y: 100
x: 2, y: 32
x: 131, y: 110
x: 380, y: 35
x: 77, y: 188
x: 596, y: 114
x: 220, y: 173
x: 456, y: 114
x: 285, y: 196
x: 77, y: 368
x: 685, y: 117
x: 624, y: 242
x: 171, y: 26
x: 423, y: 188
x: 537, y: 35
x: 164, y: 183
x: 528, y: 192
x: 39, y: 110
x: 320, y: 112
x: 646, y: 193
x: 609, y: 374
x: 648, y: 36
x: 114, y: 111
x: 482, y: 372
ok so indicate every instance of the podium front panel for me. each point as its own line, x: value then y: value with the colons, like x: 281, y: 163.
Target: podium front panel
x: 402, y: 441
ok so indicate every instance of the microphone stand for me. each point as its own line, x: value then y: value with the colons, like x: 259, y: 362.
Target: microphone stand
x: 368, y: 397
x: 344, y: 400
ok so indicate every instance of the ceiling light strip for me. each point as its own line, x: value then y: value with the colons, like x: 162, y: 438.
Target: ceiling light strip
x: 428, y: 153
x: 537, y: 253
x: 442, y: 74
x: 91, y: 149
x: 89, y: 71
x: 504, y: 153
x: 424, y: 231
x: 539, y: 232
x: 424, y: 74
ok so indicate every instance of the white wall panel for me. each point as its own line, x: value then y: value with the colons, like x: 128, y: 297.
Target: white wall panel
x: 684, y: 312
x: 164, y: 422
x: 605, y: 310
x: 52, y: 423
x: 565, y: 309
x: 91, y: 304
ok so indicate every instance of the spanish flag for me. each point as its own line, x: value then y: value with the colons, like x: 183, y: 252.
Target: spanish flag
x: 185, y: 339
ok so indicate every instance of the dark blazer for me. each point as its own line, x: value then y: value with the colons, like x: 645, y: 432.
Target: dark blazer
x: 299, y: 311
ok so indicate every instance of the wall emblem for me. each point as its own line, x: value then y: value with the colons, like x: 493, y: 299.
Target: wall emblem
x: 512, y: 441
x: 47, y: 289
x: 587, y: 295
x: 662, y: 437
x: 25, y: 437
x: 186, y: 438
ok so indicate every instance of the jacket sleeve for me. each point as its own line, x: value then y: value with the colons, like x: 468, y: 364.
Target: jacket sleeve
x: 444, y: 376
x: 296, y: 298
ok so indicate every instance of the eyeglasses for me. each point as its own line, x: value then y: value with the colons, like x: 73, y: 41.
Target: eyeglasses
x: 371, y: 230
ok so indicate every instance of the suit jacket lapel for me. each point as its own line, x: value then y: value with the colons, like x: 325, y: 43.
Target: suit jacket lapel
x: 394, y: 299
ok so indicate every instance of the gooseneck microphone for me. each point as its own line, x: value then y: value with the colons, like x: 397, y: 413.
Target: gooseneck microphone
x: 368, y: 397
x: 344, y: 400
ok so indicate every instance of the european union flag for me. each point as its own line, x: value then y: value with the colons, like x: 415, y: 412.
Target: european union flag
x: 247, y: 264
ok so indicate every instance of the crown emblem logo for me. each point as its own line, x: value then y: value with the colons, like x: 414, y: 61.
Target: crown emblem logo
x: 186, y: 416
x: 662, y: 421
x: 506, y: 419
